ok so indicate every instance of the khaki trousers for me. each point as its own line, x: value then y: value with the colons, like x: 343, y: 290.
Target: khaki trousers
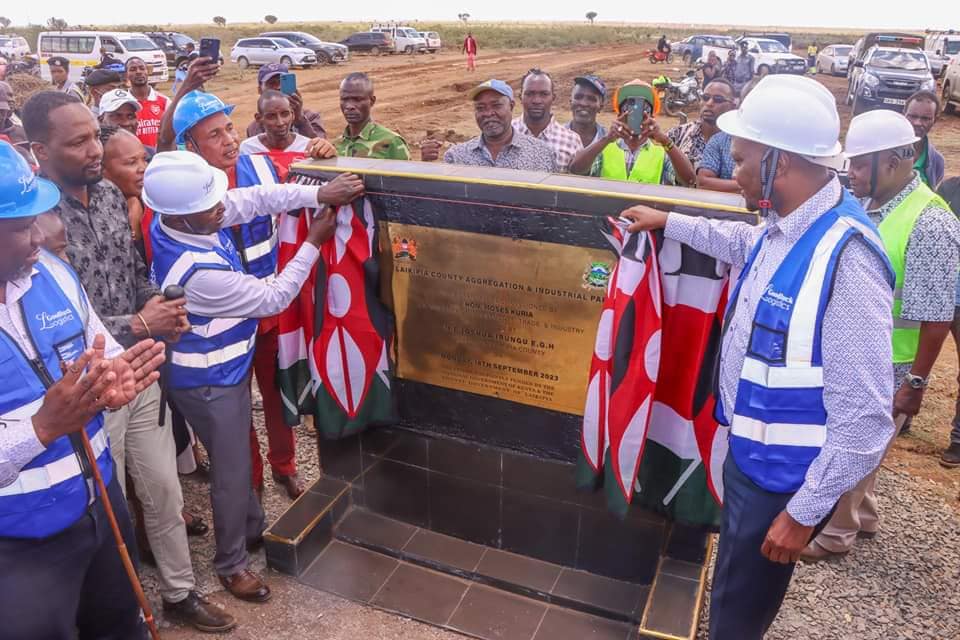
x: 146, y: 449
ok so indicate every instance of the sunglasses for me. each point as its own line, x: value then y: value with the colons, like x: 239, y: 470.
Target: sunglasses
x: 716, y: 99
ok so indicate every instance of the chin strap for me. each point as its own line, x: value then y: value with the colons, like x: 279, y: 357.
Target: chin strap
x: 768, y: 172
x: 874, y: 173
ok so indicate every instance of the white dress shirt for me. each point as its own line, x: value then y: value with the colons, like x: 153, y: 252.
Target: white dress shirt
x: 18, y: 439
x: 231, y: 294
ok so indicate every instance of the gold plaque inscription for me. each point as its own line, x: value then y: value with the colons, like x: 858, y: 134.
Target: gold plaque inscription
x: 511, y: 319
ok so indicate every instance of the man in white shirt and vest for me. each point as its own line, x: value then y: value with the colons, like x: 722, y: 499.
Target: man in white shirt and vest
x: 60, y: 572
x: 805, y: 377
x: 209, y: 369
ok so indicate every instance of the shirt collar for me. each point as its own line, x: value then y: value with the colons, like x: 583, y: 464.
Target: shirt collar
x: 18, y: 287
x: 601, y: 130
x: 522, y: 127
x: 476, y: 144
x: 365, y: 133
x: 210, y: 241
x: 895, y: 201
x: 794, y: 225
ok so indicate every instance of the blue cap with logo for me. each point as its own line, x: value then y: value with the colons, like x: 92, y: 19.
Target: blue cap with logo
x: 194, y: 107
x: 499, y: 86
x: 270, y: 70
x: 593, y: 82
x: 22, y: 193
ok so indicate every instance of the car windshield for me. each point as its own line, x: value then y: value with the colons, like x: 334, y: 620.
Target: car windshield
x: 951, y: 47
x: 771, y: 46
x: 182, y: 40
x: 138, y: 44
x: 309, y: 39
x: 842, y: 51
x: 5, y: 42
x: 899, y: 59
x: 727, y: 43
x: 410, y: 33
x: 284, y: 43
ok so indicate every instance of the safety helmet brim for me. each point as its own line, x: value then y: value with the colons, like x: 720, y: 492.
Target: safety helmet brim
x: 731, y: 122
x: 226, y: 110
x: 221, y: 183
x: 46, y: 196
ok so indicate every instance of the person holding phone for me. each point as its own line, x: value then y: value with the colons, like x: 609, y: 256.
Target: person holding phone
x: 305, y: 122
x: 635, y: 149
x: 275, y: 115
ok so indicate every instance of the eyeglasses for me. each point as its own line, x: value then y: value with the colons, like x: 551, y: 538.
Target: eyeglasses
x: 716, y: 99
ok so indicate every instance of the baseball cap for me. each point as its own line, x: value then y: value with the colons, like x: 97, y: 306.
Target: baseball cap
x: 271, y: 70
x: 113, y: 100
x: 499, y: 86
x: 6, y: 96
x: 592, y: 81
x: 58, y: 61
x: 99, y: 77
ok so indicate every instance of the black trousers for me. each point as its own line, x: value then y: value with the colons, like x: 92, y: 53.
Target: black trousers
x: 72, y: 584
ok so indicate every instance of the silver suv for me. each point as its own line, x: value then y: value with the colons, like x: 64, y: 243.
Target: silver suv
x: 260, y: 51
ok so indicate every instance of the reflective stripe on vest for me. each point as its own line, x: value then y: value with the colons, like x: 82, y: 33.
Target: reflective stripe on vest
x: 647, y: 167
x: 257, y: 240
x: 53, y: 473
x: 895, y: 230
x: 779, y: 422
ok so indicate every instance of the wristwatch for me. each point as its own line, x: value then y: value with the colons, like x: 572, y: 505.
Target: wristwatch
x: 915, y: 382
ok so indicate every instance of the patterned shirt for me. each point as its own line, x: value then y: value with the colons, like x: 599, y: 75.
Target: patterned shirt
x: 522, y: 152
x: 689, y: 139
x: 101, y: 251
x: 932, y: 260
x: 564, y: 142
x: 717, y: 157
x: 856, y: 344
x: 374, y: 141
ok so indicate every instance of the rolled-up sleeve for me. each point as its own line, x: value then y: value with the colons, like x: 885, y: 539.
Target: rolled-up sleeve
x: 857, y: 383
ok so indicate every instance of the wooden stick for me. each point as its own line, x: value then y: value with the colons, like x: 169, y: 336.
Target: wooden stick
x: 121, y: 545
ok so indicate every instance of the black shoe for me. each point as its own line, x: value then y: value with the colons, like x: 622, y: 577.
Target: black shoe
x: 196, y: 527
x: 951, y: 457
x: 200, y: 613
x: 255, y: 544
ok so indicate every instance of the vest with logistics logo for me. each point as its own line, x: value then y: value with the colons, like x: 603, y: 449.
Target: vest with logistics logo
x: 647, y: 167
x: 895, y: 231
x: 257, y: 240
x: 52, y: 491
x: 779, y: 422
x: 216, y: 352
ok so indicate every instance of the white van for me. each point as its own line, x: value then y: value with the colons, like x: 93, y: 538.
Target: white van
x: 82, y: 49
x: 14, y: 46
x: 406, y: 39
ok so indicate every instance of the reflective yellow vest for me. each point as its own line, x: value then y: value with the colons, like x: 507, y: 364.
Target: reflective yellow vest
x: 647, y: 168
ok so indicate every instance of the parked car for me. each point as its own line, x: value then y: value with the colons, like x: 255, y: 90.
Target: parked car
x: 405, y: 39
x: 698, y: 47
x: 174, y: 45
x: 327, y: 52
x: 886, y: 76
x: 369, y: 42
x: 941, y: 47
x: 260, y: 51
x: 834, y: 59
x: 907, y: 40
x: 83, y: 49
x: 783, y: 38
x: 772, y: 57
x: 12, y: 46
x: 433, y: 40
x: 950, y: 97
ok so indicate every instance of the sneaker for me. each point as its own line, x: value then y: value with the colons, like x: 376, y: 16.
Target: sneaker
x: 951, y: 457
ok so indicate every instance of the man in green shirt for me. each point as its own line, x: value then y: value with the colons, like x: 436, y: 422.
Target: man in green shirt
x: 364, y: 138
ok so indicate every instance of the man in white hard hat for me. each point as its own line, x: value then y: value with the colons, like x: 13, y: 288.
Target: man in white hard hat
x: 208, y: 373
x: 805, y: 376
x: 922, y: 238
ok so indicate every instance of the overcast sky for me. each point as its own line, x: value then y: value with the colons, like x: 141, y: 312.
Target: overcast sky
x: 818, y: 13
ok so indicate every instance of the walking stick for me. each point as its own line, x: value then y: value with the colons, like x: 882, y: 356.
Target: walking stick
x: 121, y: 545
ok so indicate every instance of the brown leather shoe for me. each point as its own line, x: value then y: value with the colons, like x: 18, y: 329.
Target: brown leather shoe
x: 291, y: 483
x: 815, y: 553
x: 246, y: 585
x: 200, y: 613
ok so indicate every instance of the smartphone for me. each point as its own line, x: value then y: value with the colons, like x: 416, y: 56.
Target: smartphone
x: 210, y: 48
x: 635, y: 119
x: 288, y: 83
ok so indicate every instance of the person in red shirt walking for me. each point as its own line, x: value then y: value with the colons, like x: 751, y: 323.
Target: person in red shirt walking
x: 470, y: 48
x: 153, y: 104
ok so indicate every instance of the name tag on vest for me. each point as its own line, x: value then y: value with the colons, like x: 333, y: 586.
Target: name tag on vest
x: 70, y: 349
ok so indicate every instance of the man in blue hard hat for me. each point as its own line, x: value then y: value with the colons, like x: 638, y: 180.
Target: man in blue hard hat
x: 60, y: 571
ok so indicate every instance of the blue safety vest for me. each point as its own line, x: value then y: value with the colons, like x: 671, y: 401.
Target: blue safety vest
x: 779, y: 422
x: 216, y: 352
x: 54, y: 489
x: 256, y: 240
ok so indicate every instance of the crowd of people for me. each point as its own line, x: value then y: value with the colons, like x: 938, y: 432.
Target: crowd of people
x: 130, y: 220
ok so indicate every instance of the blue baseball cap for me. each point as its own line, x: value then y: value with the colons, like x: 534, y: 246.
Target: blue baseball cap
x: 499, y: 86
x: 271, y: 70
x: 22, y: 193
x: 594, y: 82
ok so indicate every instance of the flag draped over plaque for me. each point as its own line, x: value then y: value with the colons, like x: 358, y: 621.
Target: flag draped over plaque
x: 334, y: 340
x: 671, y: 457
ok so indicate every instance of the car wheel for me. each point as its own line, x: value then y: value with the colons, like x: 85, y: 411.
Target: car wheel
x: 688, y: 59
x: 948, y: 107
x: 763, y: 70
x: 375, y: 51
x: 833, y: 69
x: 287, y: 61
x: 322, y: 58
x: 242, y: 62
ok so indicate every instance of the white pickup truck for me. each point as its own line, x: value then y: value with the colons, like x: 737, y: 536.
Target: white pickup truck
x: 772, y: 57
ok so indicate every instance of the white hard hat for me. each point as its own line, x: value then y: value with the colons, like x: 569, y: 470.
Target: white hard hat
x: 878, y: 131
x: 790, y: 113
x: 113, y: 100
x: 178, y: 183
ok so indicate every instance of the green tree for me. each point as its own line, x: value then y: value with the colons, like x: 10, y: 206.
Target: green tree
x: 270, y: 19
x: 463, y: 17
x: 4, y: 22
x: 591, y: 16
x: 56, y: 24
x: 220, y: 21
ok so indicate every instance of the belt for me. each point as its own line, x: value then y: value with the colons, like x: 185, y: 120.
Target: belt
x: 42, y: 478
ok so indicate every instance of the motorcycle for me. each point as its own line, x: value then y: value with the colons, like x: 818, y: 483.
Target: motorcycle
x: 26, y: 65
x: 655, y: 56
x: 676, y: 97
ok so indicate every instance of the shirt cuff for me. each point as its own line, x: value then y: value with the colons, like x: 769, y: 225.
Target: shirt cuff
x: 306, y: 197
x: 680, y: 227
x: 19, y: 445
x: 806, y: 509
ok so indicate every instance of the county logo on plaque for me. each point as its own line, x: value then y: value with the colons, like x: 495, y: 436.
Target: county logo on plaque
x: 404, y: 249
x: 596, y: 275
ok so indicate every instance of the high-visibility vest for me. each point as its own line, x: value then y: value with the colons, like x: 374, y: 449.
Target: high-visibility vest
x: 216, y: 352
x: 895, y: 231
x: 53, y: 490
x: 257, y: 240
x: 647, y: 167
x: 779, y: 420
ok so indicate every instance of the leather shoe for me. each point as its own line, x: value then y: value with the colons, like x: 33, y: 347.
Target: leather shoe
x: 200, y: 613
x: 291, y: 483
x: 246, y: 585
x: 950, y: 458
x: 195, y: 525
x: 815, y: 553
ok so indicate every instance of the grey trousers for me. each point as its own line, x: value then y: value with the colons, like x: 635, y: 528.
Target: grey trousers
x: 145, y: 448
x: 220, y: 417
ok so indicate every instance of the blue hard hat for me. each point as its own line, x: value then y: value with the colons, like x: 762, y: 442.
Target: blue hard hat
x: 22, y: 193
x: 194, y: 107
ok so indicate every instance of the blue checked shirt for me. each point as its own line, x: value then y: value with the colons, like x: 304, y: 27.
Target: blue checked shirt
x: 856, y: 343
x: 717, y: 157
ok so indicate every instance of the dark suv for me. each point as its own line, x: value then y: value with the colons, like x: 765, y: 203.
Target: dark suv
x: 887, y: 69
x: 375, y: 43
x: 327, y: 52
x: 174, y: 45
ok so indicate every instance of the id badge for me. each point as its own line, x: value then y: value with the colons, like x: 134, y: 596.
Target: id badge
x: 70, y: 349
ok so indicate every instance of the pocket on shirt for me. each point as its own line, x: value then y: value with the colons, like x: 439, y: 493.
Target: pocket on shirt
x: 767, y: 344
